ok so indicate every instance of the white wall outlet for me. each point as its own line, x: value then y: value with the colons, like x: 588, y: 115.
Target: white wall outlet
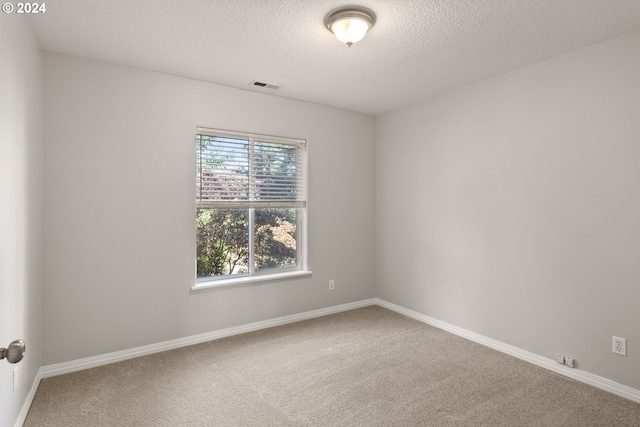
x: 332, y: 284
x: 570, y: 361
x: 619, y: 346
x: 15, y: 379
x: 560, y: 358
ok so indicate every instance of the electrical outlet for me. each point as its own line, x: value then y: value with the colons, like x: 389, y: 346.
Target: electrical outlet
x: 619, y: 346
x: 332, y: 284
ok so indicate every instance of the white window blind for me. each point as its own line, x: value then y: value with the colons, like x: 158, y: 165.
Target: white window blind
x: 236, y: 170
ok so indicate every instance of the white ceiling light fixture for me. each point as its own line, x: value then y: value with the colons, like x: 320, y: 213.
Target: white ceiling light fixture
x: 350, y: 25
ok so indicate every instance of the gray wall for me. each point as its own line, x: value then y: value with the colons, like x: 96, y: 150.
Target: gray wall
x: 119, y: 207
x: 511, y: 207
x: 20, y: 208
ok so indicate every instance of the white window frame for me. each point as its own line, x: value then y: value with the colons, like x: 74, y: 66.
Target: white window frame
x: 301, y: 267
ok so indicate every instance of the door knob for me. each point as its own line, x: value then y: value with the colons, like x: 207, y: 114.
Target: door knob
x: 14, y: 352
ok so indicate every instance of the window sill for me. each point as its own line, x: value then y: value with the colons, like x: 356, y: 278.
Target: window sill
x: 249, y: 279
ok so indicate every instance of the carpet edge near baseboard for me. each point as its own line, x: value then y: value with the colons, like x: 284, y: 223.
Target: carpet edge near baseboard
x: 105, y: 359
x: 119, y: 356
x: 535, y: 359
x: 22, y: 416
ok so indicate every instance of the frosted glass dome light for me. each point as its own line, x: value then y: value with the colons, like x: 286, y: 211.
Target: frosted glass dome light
x: 350, y: 25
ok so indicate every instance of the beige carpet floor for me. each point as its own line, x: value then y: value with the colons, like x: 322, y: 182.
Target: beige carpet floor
x: 366, y: 367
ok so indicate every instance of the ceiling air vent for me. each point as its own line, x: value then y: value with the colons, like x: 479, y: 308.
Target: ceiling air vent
x: 266, y: 85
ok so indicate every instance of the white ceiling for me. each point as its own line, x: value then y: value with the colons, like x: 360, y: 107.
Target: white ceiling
x: 417, y: 48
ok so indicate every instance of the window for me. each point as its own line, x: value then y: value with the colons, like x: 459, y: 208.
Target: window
x: 250, y: 205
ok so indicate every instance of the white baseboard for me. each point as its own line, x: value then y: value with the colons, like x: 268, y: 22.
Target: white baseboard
x: 118, y: 356
x: 27, y: 403
x: 573, y: 373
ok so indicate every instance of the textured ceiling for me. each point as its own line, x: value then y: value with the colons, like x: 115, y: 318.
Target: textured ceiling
x: 417, y: 48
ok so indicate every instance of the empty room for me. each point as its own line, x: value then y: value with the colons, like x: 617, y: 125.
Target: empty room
x: 320, y: 213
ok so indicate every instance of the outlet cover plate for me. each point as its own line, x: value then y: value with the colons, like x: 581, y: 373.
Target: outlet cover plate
x: 619, y: 346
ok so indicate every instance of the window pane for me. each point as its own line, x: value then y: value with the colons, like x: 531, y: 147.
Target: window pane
x: 275, y: 171
x: 222, y: 168
x: 275, y: 238
x: 222, y: 242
